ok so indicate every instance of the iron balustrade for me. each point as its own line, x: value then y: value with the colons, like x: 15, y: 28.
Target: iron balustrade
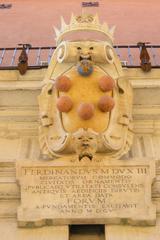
x: 39, y: 57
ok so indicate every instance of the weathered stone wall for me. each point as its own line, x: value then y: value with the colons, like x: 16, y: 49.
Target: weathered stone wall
x: 19, y: 140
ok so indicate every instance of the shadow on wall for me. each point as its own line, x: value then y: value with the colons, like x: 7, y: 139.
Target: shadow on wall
x: 87, y: 232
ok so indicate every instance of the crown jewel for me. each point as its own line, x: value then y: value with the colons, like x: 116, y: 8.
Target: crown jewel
x: 84, y: 22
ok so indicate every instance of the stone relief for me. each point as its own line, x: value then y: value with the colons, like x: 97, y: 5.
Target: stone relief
x: 85, y: 111
x: 85, y: 143
x: 86, y: 102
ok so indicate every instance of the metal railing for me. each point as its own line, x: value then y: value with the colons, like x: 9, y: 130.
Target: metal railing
x: 39, y: 57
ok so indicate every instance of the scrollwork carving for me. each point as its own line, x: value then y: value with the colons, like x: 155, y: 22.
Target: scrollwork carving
x: 100, y: 119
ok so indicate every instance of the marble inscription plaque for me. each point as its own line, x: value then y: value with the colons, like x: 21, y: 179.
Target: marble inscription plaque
x: 104, y: 192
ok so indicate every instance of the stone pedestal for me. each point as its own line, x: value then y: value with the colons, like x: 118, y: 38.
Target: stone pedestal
x: 101, y: 191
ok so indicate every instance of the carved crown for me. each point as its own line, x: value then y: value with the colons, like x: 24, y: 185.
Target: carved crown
x: 84, y: 22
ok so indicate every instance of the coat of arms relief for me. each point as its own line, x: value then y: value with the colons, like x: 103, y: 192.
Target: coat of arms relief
x: 85, y: 127
x: 86, y: 102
